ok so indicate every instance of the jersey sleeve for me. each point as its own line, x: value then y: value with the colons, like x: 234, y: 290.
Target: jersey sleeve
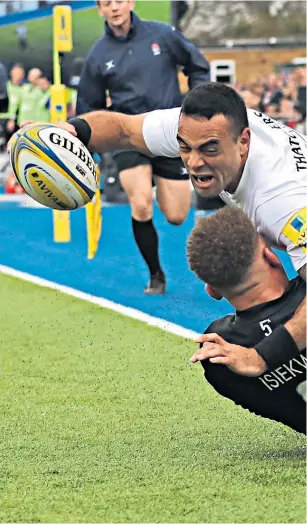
x: 286, y: 219
x: 160, y: 130
x: 282, y: 210
x: 293, y: 235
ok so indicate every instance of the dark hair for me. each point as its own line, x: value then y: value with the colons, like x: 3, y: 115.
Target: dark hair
x: 214, y: 98
x: 18, y: 64
x: 222, y: 247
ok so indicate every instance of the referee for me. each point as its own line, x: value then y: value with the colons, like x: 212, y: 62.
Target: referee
x: 136, y: 62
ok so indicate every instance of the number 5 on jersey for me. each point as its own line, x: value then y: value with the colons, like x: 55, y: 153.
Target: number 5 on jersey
x: 265, y: 326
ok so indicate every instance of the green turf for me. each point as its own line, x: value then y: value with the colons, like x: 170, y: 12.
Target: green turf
x: 104, y: 420
x: 87, y: 28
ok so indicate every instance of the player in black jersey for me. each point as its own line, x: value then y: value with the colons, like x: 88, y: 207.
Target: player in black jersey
x: 226, y: 252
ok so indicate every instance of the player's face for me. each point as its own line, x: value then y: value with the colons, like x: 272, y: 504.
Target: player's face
x: 213, y: 158
x: 116, y: 12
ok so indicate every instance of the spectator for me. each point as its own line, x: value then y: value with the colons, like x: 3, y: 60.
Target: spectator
x: 22, y: 35
x: 299, y: 77
x: 272, y: 94
x: 252, y: 96
x: 30, y: 95
x: 4, y: 99
x: 4, y: 104
x: 287, y: 109
x: 14, y: 87
x: 43, y: 102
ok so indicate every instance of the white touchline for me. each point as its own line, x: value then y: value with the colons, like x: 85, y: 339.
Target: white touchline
x: 102, y: 302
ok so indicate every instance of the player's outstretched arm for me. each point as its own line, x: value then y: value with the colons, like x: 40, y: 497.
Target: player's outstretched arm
x: 109, y: 131
x: 103, y: 131
x: 154, y: 133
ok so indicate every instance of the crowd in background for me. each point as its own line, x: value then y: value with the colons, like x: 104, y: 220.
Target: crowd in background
x: 29, y: 99
x: 281, y: 96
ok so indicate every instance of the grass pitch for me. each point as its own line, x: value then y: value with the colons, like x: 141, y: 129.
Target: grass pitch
x: 104, y: 420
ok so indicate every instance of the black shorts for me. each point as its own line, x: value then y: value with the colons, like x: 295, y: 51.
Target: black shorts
x: 170, y: 168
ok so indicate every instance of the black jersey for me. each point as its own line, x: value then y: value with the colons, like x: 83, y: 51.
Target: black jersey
x: 278, y: 394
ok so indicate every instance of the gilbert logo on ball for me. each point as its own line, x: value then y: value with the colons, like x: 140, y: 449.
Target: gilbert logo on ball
x: 53, y: 166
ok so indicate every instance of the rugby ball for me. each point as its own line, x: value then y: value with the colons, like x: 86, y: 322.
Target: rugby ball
x: 53, y: 166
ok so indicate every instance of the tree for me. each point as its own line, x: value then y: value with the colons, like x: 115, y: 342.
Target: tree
x: 209, y: 21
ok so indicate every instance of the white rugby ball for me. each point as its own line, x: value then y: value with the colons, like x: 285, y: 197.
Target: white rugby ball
x: 53, y: 166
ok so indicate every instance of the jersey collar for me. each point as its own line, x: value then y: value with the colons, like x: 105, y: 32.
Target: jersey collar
x: 255, y: 312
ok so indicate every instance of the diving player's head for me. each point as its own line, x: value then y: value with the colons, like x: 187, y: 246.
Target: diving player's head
x: 117, y: 13
x: 214, y: 138
x: 226, y: 252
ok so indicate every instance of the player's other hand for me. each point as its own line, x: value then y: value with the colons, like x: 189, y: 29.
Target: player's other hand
x: 64, y: 125
x: 69, y: 127
x: 241, y: 360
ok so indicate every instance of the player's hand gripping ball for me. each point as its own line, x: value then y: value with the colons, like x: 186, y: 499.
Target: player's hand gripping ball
x: 53, y: 166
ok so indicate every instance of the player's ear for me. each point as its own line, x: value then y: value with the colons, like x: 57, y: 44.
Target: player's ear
x: 244, y: 141
x: 271, y: 257
x: 212, y: 293
x: 131, y: 4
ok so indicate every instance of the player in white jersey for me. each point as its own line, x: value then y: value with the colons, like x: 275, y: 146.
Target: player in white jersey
x: 247, y: 158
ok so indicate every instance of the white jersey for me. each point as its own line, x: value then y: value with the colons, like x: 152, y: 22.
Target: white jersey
x: 272, y: 190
